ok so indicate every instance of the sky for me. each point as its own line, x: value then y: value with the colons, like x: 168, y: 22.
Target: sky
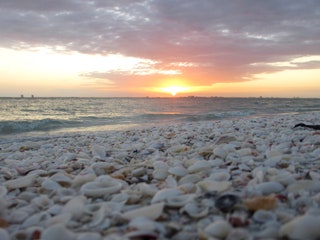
x: 138, y: 48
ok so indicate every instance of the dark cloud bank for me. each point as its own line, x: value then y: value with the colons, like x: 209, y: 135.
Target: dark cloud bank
x: 230, y: 39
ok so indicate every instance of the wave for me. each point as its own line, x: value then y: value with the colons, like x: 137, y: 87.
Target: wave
x: 12, y: 127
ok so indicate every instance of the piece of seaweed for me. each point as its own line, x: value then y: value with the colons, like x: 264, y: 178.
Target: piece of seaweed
x: 315, y: 127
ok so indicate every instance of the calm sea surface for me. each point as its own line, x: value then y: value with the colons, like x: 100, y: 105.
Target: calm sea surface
x: 34, y: 116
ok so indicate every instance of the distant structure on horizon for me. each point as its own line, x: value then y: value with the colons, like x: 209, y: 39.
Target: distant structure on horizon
x: 21, y: 96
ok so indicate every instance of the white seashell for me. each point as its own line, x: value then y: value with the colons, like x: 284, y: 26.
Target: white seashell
x: 102, y: 168
x: 4, y: 235
x: 193, y: 209
x: 57, y: 231
x: 220, y: 176
x: 147, y: 190
x: 238, y: 233
x: 99, y: 217
x: 199, y: 166
x: 160, y: 170
x: 190, y: 178
x: 36, y: 219
x: 62, y: 218
x: 302, y: 227
x: 75, y: 207
x: 99, y: 152
x: 178, y: 149
x: 219, y: 229
x: 179, y: 201
x: 102, y: 186
x: 152, y: 212
x: 214, y: 186
x: 50, y: 185
x: 139, y: 172
x: 262, y: 216
x: 220, y: 152
x: 267, y: 188
x: 164, y: 194
x: 20, y: 182
x: 41, y: 202
x: 142, y: 223
x: 3, y: 191
x: 61, y: 179
x: 81, y: 179
x: 178, y: 171
x: 304, y: 185
x: 89, y: 235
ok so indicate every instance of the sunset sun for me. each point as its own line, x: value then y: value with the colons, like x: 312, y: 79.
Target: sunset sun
x: 173, y: 90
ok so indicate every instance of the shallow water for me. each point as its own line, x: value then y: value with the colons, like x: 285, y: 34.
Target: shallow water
x: 34, y: 116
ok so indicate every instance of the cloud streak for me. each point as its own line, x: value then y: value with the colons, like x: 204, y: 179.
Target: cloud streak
x: 206, y: 41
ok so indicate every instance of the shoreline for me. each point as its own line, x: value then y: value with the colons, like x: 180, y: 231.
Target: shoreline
x: 226, y: 179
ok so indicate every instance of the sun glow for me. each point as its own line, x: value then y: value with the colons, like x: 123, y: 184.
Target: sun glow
x: 173, y: 90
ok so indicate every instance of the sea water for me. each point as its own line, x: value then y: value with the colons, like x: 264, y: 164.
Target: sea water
x: 36, y: 116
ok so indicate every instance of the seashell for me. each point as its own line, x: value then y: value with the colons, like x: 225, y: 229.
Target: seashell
x: 99, y: 218
x: 238, y: 233
x: 3, y: 191
x: 226, y: 202
x: 190, y: 178
x: 89, y: 235
x: 151, y: 212
x: 75, y: 207
x: 206, y: 152
x: 219, y: 229
x: 302, y: 227
x: 19, y: 216
x: 81, y: 179
x: 178, y: 171
x: 147, y: 190
x: 260, y: 202
x: 57, y: 231
x: 102, y: 186
x: 102, y: 168
x: 48, y: 185
x: 214, y: 186
x: 304, y: 185
x: 220, y: 152
x: 266, y: 188
x: 262, y: 216
x: 61, y: 179
x: 36, y: 219
x: 160, y: 170
x: 179, y: 201
x: 20, y: 182
x: 4, y: 235
x: 62, y: 219
x: 164, y: 194
x: 199, y: 166
x: 41, y: 202
x: 220, y: 176
x: 99, y: 152
x: 141, y: 234
x: 225, y: 140
x: 138, y: 172
x: 142, y: 223
x: 177, y: 149
x: 195, y: 210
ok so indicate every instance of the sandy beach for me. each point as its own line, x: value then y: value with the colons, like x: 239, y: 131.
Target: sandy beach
x: 248, y: 178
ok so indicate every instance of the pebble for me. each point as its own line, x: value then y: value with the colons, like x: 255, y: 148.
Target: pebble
x: 231, y: 179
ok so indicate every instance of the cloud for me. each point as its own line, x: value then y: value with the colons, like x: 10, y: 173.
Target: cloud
x: 217, y: 40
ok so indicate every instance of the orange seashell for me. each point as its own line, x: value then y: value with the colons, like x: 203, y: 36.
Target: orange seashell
x: 260, y: 202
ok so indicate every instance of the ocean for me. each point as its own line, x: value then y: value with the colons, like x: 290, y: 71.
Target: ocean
x: 42, y: 116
